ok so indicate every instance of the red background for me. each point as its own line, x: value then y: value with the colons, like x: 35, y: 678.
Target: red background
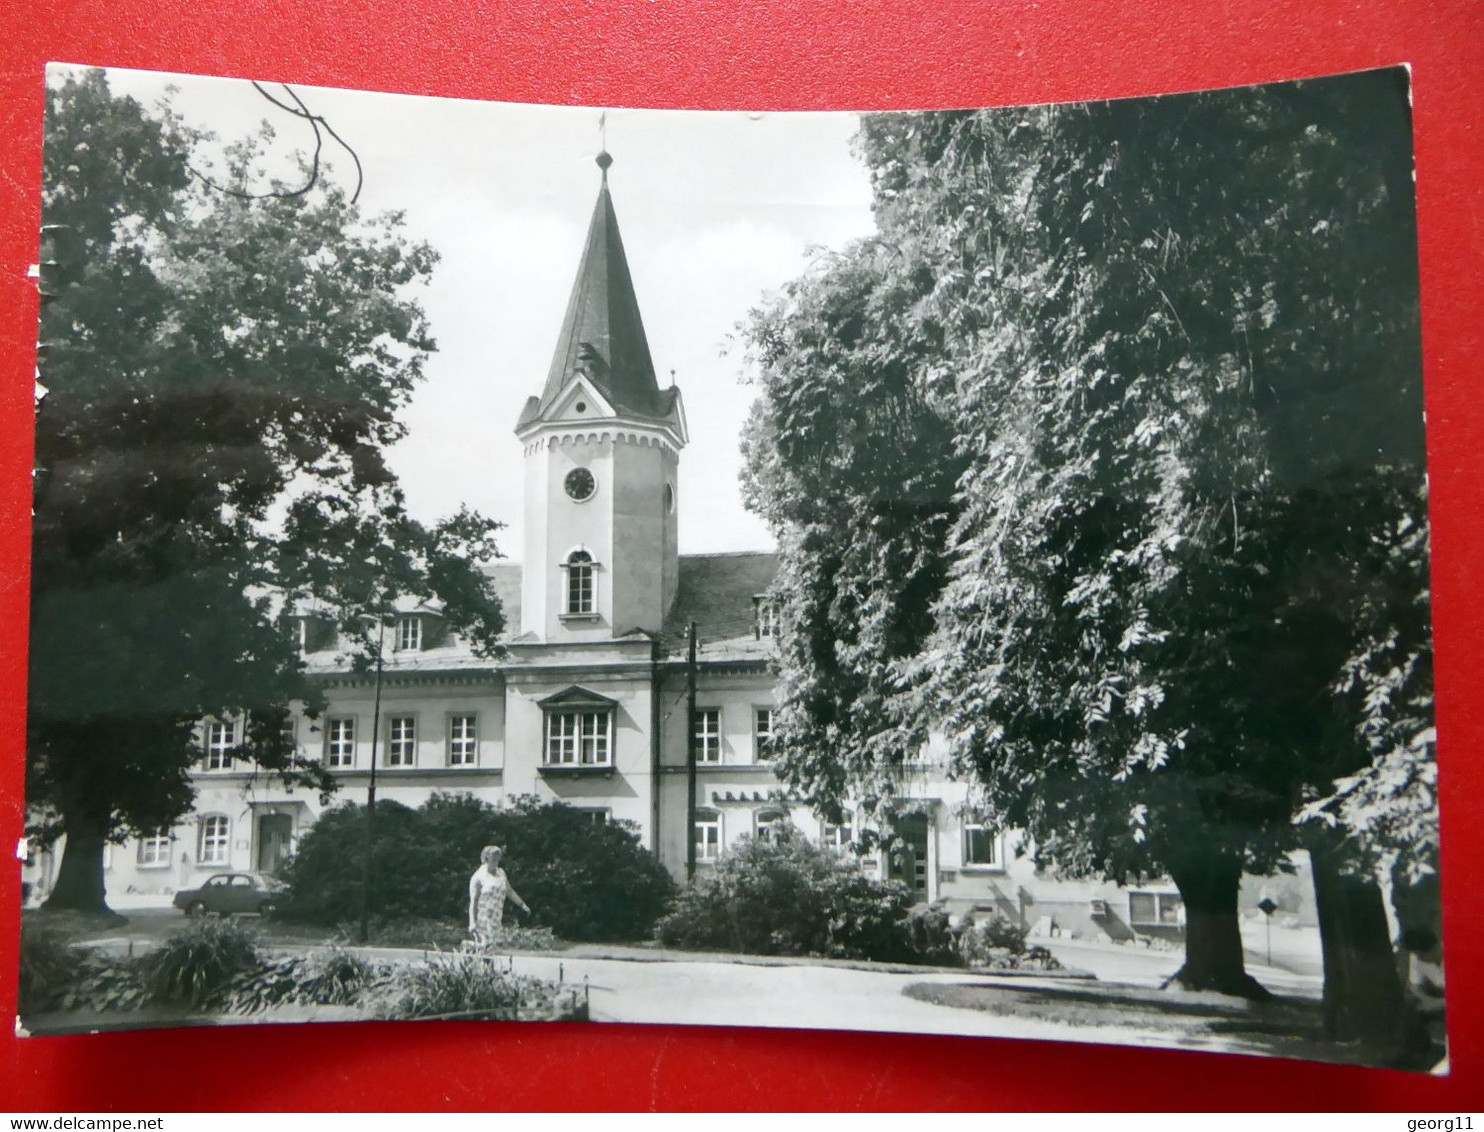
x: 812, y: 55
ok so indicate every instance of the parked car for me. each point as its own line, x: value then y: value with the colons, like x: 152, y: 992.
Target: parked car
x: 228, y: 894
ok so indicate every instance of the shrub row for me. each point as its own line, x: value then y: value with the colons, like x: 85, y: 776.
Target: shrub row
x: 584, y: 880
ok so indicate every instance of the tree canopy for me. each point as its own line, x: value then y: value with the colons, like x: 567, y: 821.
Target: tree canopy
x: 1156, y: 364
x: 223, y: 369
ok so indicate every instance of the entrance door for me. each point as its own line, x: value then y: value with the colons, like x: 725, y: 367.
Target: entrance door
x: 274, y: 833
x: 909, y: 856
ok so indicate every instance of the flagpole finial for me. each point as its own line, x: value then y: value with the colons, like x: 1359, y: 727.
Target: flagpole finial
x: 604, y: 158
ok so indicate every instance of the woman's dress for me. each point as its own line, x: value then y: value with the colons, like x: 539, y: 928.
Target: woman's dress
x: 487, y: 893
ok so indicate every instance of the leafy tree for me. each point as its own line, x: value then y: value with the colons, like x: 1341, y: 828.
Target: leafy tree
x: 850, y: 457
x: 1177, y: 356
x: 223, y: 370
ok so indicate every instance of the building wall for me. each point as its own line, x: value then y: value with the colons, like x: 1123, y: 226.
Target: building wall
x: 568, y: 525
x: 740, y: 785
x: 431, y: 702
x: 643, y: 536
x: 624, y: 789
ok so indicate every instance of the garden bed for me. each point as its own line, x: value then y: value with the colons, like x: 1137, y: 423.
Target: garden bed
x: 214, y: 973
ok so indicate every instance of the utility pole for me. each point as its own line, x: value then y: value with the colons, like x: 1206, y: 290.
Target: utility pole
x: 690, y: 756
x: 371, y: 788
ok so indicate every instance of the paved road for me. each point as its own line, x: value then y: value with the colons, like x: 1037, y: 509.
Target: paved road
x: 805, y: 996
x: 794, y: 996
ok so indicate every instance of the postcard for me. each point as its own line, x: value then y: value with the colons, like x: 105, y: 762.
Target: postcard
x: 932, y: 572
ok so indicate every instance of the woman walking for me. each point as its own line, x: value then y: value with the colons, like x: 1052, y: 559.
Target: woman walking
x: 489, y: 888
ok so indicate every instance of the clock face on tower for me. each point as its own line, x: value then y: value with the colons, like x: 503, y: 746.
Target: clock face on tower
x: 580, y: 484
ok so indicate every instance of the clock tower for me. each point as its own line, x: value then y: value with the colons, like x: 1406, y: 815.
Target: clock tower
x: 602, y: 448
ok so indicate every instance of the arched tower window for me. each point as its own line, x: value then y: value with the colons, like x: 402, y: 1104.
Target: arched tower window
x: 580, y: 591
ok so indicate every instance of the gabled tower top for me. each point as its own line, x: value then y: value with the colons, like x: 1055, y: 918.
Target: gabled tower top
x: 602, y: 336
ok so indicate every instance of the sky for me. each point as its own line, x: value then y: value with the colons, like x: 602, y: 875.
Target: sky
x: 717, y: 211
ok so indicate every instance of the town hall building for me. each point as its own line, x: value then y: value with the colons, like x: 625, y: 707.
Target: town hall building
x: 589, y: 706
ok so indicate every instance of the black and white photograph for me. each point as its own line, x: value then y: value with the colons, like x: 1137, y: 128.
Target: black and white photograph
x: 945, y: 572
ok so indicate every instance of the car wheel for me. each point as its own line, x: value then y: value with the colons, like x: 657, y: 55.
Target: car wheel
x: 268, y: 909
x: 196, y: 909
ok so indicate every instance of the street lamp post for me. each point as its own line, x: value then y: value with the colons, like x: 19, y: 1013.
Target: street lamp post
x: 371, y: 788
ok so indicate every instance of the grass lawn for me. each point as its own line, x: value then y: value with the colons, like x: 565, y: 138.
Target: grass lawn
x: 1283, y: 1027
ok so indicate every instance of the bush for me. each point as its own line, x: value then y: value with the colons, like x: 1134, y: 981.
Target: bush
x: 199, y: 966
x: 325, y: 871
x: 50, y: 966
x: 471, y: 987
x: 927, y: 937
x: 331, y: 977
x: 784, y: 895
x: 583, y: 880
x: 995, y: 933
x: 998, y: 944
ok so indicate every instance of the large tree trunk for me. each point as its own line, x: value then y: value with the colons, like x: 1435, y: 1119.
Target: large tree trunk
x: 1209, y: 885
x: 79, y: 885
x: 1363, y: 998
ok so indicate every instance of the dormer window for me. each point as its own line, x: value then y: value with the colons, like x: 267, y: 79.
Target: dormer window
x: 765, y: 616
x: 581, y: 585
x: 307, y: 633
x: 409, y: 637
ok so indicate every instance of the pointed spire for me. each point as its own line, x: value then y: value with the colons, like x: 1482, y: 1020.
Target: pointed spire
x: 602, y: 335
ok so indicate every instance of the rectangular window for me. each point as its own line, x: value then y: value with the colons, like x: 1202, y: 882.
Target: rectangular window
x: 594, y: 814
x: 463, y: 744
x: 561, y: 738
x: 981, y: 846
x: 708, y: 835
x: 834, y: 837
x: 221, y: 737
x: 215, y: 840
x: 409, y: 634
x: 1155, y: 909
x: 766, y: 614
x: 593, y: 742
x: 768, y: 824
x: 708, y: 735
x: 401, y: 740
x: 153, y: 852
x: 579, y: 738
x: 340, y: 742
x: 762, y: 732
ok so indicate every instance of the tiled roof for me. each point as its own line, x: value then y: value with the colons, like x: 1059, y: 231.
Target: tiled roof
x: 716, y: 592
x: 602, y: 335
